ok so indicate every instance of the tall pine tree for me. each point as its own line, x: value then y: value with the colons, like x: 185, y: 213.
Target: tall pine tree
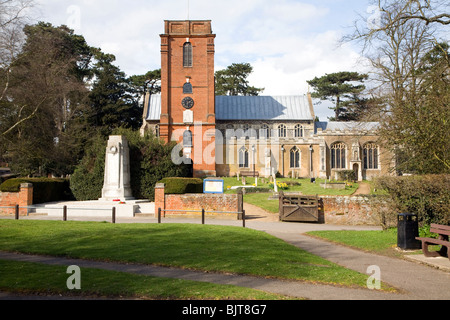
x: 341, y: 88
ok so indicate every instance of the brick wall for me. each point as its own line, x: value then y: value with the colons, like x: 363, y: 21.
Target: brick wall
x: 192, y: 203
x: 23, y: 198
x: 349, y: 210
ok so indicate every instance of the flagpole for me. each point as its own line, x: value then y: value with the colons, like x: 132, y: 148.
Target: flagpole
x: 188, y: 9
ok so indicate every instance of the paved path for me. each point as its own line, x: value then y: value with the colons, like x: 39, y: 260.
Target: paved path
x: 364, y: 189
x: 414, y: 280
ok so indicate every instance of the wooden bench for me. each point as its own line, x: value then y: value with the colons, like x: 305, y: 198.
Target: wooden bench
x: 444, y: 233
x: 249, y: 174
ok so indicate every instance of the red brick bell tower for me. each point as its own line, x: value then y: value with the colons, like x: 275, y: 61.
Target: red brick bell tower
x: 187, y: 91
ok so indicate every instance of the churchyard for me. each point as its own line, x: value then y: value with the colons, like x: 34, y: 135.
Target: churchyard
x: 261, y: 195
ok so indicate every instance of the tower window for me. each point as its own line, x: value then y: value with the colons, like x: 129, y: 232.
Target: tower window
x: 187, y: 139
x: 187, y: 55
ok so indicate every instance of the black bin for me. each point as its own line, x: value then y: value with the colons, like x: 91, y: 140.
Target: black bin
x: 408, y: 230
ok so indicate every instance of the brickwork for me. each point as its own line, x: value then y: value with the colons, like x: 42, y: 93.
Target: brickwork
x: 348, y: 210
x: 193, y: 203
x: 196, y: 202
x: 159, y: 197
x: 200, y: 75
x: 23, y: 198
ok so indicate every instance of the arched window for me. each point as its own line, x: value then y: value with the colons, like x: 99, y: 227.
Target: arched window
x: 338, y: 155
x: 295, y: 158
x: 282, y: 131
x: 264, y: 132
x: 157, y: 131
x: 243, y: 158
x: 370, y: 156
x: 298, y: 131
x: 187, y: 139
x: 187, y: 55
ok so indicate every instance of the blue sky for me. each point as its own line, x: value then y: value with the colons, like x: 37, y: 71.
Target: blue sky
x: 287, y: 41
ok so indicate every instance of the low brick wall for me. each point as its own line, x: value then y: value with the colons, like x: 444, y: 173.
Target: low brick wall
x: 23, y: 198
x: 349, y: 210
x: 192, y: 203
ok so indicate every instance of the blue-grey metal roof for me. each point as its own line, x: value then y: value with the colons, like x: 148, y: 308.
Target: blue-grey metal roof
x: 347, y: 126
x: 263, y: 108
x: 250, y: 108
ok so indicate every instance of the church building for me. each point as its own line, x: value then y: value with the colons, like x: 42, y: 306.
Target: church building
x: 251, y: 135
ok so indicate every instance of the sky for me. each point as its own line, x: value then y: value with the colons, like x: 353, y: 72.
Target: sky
x: 288, y: 42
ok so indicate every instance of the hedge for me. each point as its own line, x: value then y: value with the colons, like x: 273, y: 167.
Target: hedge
x: 182, y: 185
x: 428, y: 196
x: 44, y: 189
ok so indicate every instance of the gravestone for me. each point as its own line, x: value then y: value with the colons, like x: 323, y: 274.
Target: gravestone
x: 117, y: 170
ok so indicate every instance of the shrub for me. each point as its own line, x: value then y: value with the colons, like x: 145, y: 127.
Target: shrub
x: 347, y: 175
x: 182, y: 185
x: 44, y: 189
x: 427, y: 196
x: 86, y: 182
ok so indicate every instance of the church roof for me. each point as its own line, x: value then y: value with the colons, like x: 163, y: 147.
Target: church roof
x: 253, y: 108
x: 335, y: 126
x: 250, y: 108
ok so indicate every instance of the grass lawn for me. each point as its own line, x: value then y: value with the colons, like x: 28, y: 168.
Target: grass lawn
x: 262, y: 200
x: 199, y: 247
x: 305, y: 187
x: 34, y: 278
x: 383, y: 241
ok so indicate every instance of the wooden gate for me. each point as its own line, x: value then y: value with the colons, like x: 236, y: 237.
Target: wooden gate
x: 298, y: 208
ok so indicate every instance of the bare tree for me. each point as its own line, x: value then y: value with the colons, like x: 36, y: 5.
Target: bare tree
x: 396, y: 45
x: 13, y: 17
x: 428, y: 11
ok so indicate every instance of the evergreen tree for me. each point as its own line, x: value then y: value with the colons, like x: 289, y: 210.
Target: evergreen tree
x: 339, y: 88
x: 111, y: 98
x: 233, y: 81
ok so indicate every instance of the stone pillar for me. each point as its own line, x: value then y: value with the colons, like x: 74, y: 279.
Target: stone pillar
x: 117, y: 170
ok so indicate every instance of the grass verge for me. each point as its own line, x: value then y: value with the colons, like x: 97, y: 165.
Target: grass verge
x: 382, y: 242
x: 40, y: 279
x: 378, y: 241
x: 208, y: 248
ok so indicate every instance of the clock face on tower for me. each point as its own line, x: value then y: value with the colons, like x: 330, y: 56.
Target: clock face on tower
x: 188, y: 103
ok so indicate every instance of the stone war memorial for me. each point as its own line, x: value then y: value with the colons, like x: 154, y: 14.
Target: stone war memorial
x: 117, y: 171
x: 116, y: 190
